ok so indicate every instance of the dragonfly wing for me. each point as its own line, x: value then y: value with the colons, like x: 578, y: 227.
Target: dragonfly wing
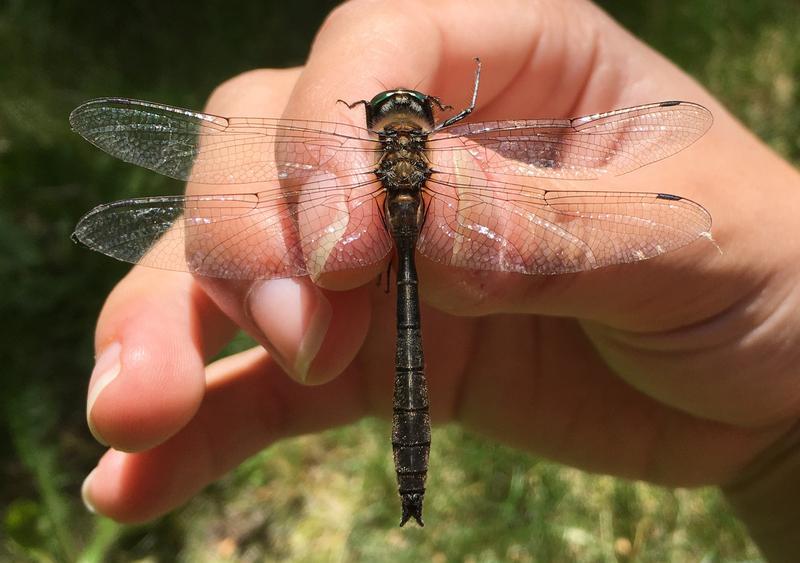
x: 604, y: 144
x: 210, y: 149
x: 325, y: 226
x: 490, y: 225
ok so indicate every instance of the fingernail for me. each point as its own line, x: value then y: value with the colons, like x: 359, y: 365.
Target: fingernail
x: 294, y: 316
x: 106, y: 369
x: 87, y: 501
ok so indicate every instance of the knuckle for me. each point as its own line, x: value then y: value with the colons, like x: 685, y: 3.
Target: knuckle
x: 235, y: 85
x: 262, y: 87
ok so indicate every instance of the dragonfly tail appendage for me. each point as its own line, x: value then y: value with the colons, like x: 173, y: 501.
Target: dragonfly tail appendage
x: 412, y: 508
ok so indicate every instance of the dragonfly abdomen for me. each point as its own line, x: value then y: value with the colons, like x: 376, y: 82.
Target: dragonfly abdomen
x: 411, y: 425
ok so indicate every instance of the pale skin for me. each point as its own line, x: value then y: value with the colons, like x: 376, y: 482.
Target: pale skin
x: 678, y: 370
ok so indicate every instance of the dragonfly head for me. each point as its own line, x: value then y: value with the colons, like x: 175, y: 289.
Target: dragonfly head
x: 400, y: 106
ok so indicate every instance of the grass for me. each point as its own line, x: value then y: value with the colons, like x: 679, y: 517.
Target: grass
x: 313, y: 498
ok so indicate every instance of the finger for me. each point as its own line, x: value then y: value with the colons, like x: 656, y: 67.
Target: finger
x: 153, y: 336
x: 560, y: 400
x: 249, y: 405
x: 313, y: 333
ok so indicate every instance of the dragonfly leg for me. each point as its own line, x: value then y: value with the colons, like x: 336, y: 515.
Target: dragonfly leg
x: 354, y: 104
x: 468, y: 110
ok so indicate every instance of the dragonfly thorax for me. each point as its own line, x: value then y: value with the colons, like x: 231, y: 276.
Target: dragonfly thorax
x: 403, y: 165
x: 403, y: 169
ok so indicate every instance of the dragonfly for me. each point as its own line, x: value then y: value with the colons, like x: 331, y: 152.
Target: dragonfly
x: 323, y: 197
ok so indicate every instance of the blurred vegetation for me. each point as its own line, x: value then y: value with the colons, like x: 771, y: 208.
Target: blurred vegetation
x: 314, y: 498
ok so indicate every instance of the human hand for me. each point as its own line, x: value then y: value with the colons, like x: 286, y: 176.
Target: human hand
x: 652, y: 371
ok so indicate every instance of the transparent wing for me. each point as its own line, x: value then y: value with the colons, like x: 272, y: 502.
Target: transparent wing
x: 593, y: 146
x: 489, y: 225
x: 316, y: 212
x: 313, y: 211
x: 210, y: 149
x: 325, y: 226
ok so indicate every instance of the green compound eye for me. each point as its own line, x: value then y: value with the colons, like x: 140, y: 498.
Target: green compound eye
x: 382, y: 97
